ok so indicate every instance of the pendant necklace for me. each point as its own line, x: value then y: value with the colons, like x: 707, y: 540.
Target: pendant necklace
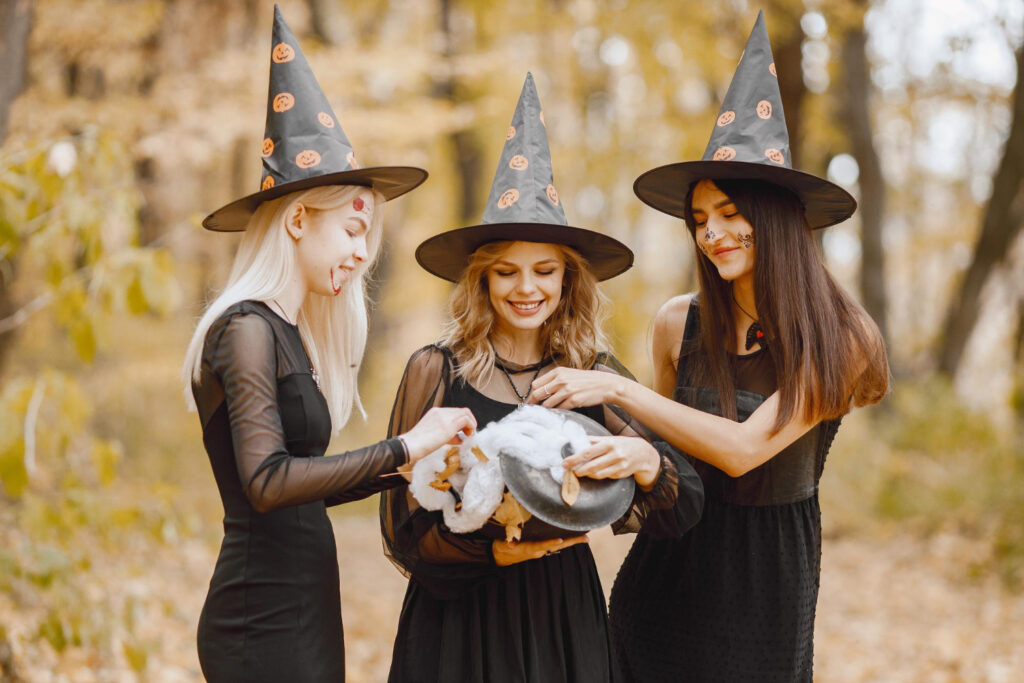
x: 501, y: 366
x: 312, y: 372
x: 755, y: 334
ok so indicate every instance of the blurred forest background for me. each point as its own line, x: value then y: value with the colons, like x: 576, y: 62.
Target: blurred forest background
x: 123, y: 122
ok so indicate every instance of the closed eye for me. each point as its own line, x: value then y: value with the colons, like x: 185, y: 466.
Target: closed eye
x: 544, y: 272
x: 501, y: 273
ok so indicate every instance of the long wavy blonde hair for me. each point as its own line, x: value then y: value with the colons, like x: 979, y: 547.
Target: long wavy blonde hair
x: 333, y: 329
x: 573, y: 335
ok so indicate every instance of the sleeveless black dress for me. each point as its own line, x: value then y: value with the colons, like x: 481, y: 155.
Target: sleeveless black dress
x: 466, y: 619
x: 273, y: 610
x: 734, y: 598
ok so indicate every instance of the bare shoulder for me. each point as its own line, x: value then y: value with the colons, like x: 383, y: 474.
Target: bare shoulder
x: 670, y: 320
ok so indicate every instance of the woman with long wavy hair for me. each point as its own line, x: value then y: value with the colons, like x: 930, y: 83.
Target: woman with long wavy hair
x: 479, y: 608
x: 752, y: 376
x: 272, y: 369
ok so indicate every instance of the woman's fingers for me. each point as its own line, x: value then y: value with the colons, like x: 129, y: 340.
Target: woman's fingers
x: 597, y: 448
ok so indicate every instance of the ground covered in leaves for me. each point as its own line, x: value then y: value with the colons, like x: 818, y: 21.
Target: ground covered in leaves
x: 892, y: 608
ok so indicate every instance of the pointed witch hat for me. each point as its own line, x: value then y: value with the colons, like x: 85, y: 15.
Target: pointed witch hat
x: 304, y: 145
x: 523, y: 206
x: 749, y: 141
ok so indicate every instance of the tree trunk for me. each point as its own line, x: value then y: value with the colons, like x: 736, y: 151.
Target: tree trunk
x: 328, y: 22
x: 15, y: 26
x: 467, y: 151
x: 856, y: 117
x: 1000, y: 226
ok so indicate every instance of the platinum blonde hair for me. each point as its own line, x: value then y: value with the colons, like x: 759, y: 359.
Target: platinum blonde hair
x: 333, y: 329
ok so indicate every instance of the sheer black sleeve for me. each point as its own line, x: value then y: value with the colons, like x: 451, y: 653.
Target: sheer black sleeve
x: 244, y: 359
x: 675, y: 502
x: 416, y: 540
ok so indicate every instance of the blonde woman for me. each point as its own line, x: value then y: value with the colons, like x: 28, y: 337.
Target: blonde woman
x: 272, y: 367
x: 478, y: 607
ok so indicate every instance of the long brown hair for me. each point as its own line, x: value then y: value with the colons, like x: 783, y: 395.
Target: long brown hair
x: 824, y: 346
x: 572, y: 335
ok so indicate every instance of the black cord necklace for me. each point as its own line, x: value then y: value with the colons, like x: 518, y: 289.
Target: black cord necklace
x: 755, y: 333
x: 501, y: 366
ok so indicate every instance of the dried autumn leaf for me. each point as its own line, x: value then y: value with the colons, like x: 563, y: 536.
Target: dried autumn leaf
x: 441, y: 485
x: 513, y: 533
x: 452, y: 462
x: 510, y: 511
x: 570, y: 488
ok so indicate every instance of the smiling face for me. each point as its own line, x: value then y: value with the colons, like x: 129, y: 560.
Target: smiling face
x: 330, y: 244
x: 525, y: 285
x: 722, y: 233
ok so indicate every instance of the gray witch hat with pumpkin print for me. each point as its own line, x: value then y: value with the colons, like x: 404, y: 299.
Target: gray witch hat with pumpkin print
x: 523, y: 206
x: 304, y: 145
x: 749, y: 141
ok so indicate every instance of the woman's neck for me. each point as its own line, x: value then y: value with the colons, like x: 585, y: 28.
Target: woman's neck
x: 291, y: 299
x: 517, y: 346
x: 744, y: 307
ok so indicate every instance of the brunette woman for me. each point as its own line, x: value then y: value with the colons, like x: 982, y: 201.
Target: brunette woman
x: 752, y: 376
x: 272, y: 367
x: 478, y: 608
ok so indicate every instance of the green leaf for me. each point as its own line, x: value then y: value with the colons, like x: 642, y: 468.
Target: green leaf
x: 106, y: 455
x: 84, y: 337
x: 13, y: 475
x: 136, y: 296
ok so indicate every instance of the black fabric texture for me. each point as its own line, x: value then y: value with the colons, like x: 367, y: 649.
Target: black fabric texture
x: 734, y: 599
x: 273, y: 610
x: 465, y: 618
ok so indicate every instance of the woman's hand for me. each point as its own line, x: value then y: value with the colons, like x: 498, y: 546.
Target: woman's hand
x: 438, y: 427
x: 506, y: 553
x: 569, y: 388
x: 617, y: 457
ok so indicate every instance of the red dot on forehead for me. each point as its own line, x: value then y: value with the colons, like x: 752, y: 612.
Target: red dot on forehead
x: 357, y: 204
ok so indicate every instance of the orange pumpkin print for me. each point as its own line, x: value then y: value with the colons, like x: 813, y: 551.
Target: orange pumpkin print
x: 552, y: 194
x: 518, y: 163
x: 268, y: 147
x: 283, y: 102
x: 307, y: 158
x: 508, y: 198
x: 771, y: 69
x: 351, y: 159
x: 724, y: 154
x: 726, y: 117
x: 326, y: 119
x: 764, y: 109
x: 511, y: 133
x: 268, y: 183
x: 775, y: 155
x: 282, y: 52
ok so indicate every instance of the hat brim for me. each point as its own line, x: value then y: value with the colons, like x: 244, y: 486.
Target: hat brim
x: 665, y: 188
x: 447, y: 254
x: 390, y: 181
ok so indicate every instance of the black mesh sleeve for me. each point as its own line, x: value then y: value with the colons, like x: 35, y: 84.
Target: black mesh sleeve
x: 243, y: 358
x: 675, y: 502
x: 416, y: 540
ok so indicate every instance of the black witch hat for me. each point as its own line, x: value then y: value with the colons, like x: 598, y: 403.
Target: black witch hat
x: 304, y: 145
x: 523, y: 206
x: 749, y: 141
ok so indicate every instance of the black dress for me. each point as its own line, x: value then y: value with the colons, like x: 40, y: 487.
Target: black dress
x: 734, y: 598
x: 273, y: 610
x: 466, y: 619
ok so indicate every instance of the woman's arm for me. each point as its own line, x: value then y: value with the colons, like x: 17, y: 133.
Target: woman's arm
x: 670, y: 496
x: 245, y: 361
x: 733, y: 447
